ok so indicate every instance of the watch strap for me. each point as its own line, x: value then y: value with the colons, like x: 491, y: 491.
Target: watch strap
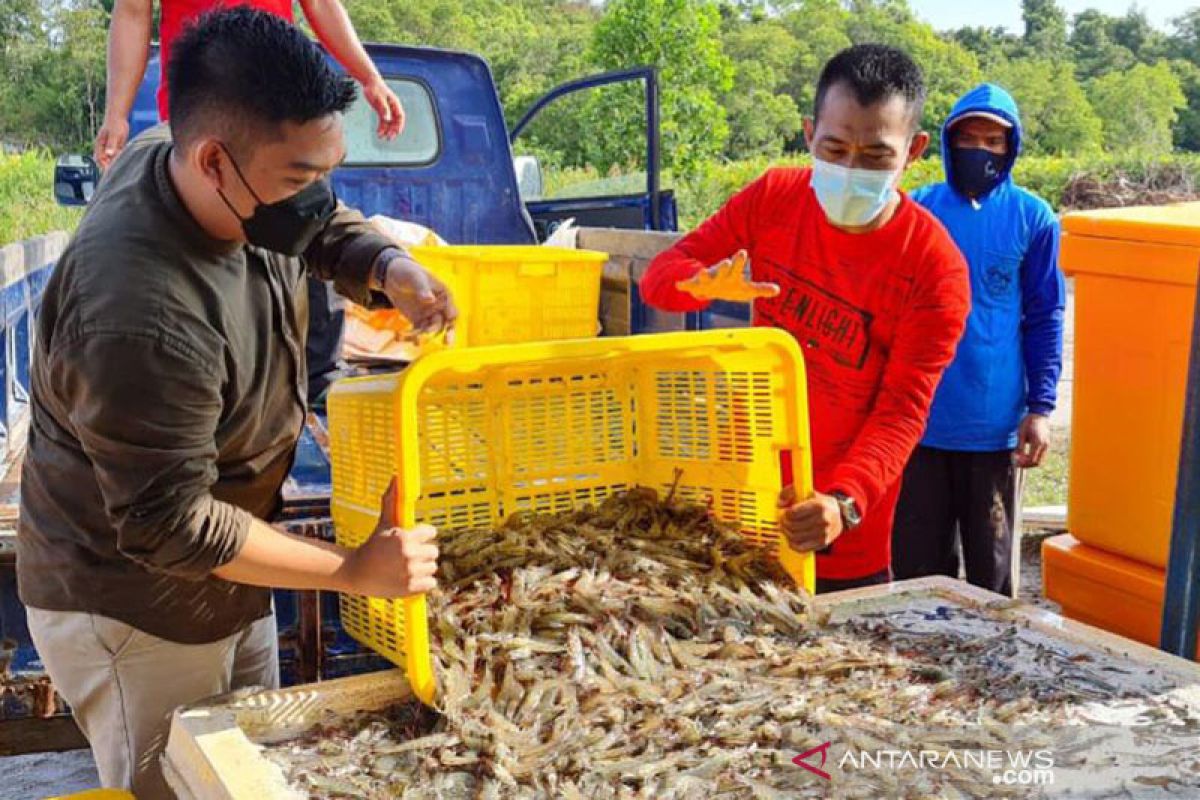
x: 851, y: 515
x: 379, y: 269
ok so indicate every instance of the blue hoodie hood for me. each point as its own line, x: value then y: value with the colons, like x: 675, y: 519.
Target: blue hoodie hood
x: 991, y: 99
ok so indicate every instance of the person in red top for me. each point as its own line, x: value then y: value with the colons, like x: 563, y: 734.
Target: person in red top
x: 129, y: 45
x: 869, y: 283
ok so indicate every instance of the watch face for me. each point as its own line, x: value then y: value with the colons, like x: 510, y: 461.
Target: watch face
x: 849, y: 510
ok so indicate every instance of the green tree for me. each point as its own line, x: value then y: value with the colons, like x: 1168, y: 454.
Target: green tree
x: 1184, y: 41
x: 762, y: 118
x: 736, y: 75
x: 1055, y: 113
x: 1140, y: 105
x: 19, y: 20
x: 53, y: 92
x: 1135, y: 33
x: 1183, y: 45
x: 949, y: 68
x: 1187, y: 128
x: 1045, y: 28
x: 1092, y: 45
x: 991, y: 46
x: 681, y: 38
x: 819, y: 28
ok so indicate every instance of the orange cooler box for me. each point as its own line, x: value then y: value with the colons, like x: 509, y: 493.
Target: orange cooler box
x: 1117, y: 594
x: 1135, y: 275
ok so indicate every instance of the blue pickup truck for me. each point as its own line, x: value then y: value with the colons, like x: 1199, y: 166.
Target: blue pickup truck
x: 453, y: 170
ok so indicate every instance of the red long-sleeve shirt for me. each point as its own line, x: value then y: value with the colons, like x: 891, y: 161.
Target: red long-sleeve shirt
x: 878, y: 316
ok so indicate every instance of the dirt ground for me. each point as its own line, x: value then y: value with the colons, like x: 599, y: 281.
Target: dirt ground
x: 1030, y: 587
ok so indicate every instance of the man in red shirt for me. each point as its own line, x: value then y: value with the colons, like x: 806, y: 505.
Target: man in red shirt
x: 129, y: 45
x: 868, y: 282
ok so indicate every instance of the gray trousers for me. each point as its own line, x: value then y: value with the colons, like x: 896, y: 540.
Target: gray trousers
x: 123, y: 685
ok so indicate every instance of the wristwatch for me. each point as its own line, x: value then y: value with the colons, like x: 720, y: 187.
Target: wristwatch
x: 851, y: 516
x: 377, y: 278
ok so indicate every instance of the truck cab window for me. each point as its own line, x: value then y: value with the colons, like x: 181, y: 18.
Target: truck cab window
x: 418, y: 144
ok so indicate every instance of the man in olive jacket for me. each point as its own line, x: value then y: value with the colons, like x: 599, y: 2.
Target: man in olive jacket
x: 169, y: 389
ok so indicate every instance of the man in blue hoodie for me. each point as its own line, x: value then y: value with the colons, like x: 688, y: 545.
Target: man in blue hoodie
x: 990, y: 416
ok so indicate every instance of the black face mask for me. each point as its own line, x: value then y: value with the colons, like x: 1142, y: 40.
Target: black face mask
x: 976, y: 171
x: 289, y: 225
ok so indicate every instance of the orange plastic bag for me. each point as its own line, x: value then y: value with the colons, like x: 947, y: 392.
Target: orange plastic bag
x: 385, y: 334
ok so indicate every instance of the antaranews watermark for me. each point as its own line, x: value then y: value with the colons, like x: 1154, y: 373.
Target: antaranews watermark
x: 1007, y: 767
x: 1020, y: 761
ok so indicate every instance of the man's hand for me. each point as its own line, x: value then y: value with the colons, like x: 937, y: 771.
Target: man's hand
x: 809, y: 524
x: 110, y: 141
x: 420, y: 297
x: 727, y: 281
x: 393, y: 562
x: 387, y: 107
x: 1033, y: 440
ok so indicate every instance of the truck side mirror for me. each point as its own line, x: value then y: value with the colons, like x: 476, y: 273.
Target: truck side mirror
x: 529, y: 177
x: 75, y: 179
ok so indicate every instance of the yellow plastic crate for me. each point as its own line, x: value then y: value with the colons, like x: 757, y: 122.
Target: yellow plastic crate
x: 474, y: 435
x: 509, y: 293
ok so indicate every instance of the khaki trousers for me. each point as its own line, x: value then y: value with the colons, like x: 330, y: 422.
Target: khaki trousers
x: 123, y: 685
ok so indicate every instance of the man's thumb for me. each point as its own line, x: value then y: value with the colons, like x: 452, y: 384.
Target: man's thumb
x: 388, y: 516
x: 787, y: 498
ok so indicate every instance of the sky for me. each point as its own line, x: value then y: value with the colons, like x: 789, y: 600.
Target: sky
x: 949, y: 14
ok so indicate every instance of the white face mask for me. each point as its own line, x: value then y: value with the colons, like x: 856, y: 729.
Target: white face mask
x: 851, y: 197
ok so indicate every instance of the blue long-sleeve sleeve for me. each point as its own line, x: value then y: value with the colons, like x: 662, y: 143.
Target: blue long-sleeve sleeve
x: 1044, y: 301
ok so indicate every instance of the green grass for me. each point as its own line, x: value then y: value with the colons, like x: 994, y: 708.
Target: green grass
x: 1047, y: 485
x: 27, y: 206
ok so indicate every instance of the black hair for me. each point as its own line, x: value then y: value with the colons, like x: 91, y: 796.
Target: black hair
x: 240, y: 72
x: 874, y: 72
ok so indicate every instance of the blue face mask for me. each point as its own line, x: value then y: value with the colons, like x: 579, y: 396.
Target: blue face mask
x: 851, y: 197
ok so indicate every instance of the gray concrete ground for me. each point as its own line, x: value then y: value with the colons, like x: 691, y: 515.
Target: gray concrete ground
x: 43, y: 775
